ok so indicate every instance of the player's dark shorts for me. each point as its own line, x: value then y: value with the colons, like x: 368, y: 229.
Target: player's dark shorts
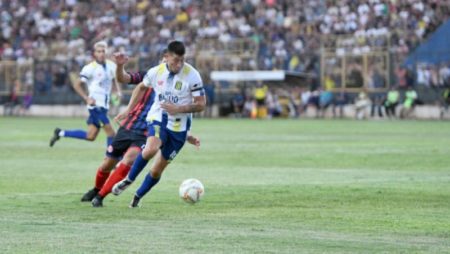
x: 123, y: 140
x: 261, y: 102
x: 172, y: 141
x: 98, y: 116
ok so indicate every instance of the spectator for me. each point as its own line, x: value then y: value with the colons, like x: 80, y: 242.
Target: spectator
x: 325, y: 100
x: 61, y: 30
x: 409, y: 103
x: 392, y: 100
x: 27, y: 100
x: 339, y: 102
x: 250, y: 108
x: 400, y: 74
x: 355, y: 76
x: 237, y: 103
x: 423, y: 76
x: 377, y: 105
x: 273, y: 105
x: 260, y: 94
x: 60, y: 76
x: 314, y: 101
x: 304, y: 100
x: 444, y: 75
x: 43, y: 81
x: 210, y: 96
x: 13, y: 99
x: 445, y: 102
x: 288, y: 32
x: 362, y: 102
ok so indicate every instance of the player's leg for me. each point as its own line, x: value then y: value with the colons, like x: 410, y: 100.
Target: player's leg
x: 444, y: 109
x: 121, y: 171
x: 101, y: 176
x: 92, y: 132
x: 175, y: 141
x: 93, y: 122
x: 156, y: 137
x: 109, y: 130
x: 89, y: 135
x: 151, y: 148
x: 114, y: 153
x: 151, y: 179
x: 109, y: 133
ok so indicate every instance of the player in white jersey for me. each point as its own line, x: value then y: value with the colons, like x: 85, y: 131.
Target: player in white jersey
x: 99, y: 76
x: 179, y: 92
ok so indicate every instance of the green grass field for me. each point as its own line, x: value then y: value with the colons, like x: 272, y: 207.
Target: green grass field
x: 281, y: 186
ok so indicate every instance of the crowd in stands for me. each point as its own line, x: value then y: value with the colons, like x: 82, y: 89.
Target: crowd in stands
x: 285, y: 29
x: 289, y: 32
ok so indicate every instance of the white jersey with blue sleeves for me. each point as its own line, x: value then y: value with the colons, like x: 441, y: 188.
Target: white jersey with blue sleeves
x: 99, y: 79
x: 179, y: 89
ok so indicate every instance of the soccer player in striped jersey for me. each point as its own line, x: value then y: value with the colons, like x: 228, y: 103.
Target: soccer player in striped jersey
x: 99, y: 76
x: 179, y: 92
x: 128, y: 142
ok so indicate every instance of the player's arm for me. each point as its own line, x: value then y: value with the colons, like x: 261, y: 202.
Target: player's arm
x: 122, y: 76
x: 198, y: 103
x: 132, y: 78
x: 80, y: 84
x: 78, y: 87
x: 136, y: 95
x: 193, y: 140
x: 138, y: 91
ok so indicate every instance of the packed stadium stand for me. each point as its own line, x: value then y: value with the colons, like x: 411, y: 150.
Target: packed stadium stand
x: 343, y: 45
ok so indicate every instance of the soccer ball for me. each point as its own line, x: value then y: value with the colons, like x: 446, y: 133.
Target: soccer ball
x: 191, y: 190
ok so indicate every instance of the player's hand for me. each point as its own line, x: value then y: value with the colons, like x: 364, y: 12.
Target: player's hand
x: 90, y: 102
x: 120, y: 58
x: 170, y: 108
x: 121, y: 116
x: 194, y: 141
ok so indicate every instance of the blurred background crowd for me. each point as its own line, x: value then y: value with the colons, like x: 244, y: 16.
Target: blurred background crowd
x: 304, y: 36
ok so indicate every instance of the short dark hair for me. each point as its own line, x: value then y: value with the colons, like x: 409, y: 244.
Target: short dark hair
x: 176, y: 47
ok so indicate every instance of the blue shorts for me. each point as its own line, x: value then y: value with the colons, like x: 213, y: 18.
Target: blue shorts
x: 98, y: 117
x: 172, y: 141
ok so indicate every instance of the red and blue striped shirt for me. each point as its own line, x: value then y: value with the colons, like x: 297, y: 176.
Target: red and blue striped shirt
x: 135, y: 120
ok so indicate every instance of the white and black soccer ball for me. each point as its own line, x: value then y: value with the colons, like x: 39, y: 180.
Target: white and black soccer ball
x: 191, y: 190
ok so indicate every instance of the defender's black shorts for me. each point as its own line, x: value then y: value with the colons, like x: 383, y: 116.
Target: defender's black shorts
x: 123, y: 140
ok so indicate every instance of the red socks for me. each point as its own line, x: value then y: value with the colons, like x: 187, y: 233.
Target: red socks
x: 118, y: 174
x: 100, y: 178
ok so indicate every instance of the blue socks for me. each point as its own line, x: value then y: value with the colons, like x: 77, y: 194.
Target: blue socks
x: 148, y: 183
x: 109, y: 140
x: 80, y: 134
x: 137, y: 167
